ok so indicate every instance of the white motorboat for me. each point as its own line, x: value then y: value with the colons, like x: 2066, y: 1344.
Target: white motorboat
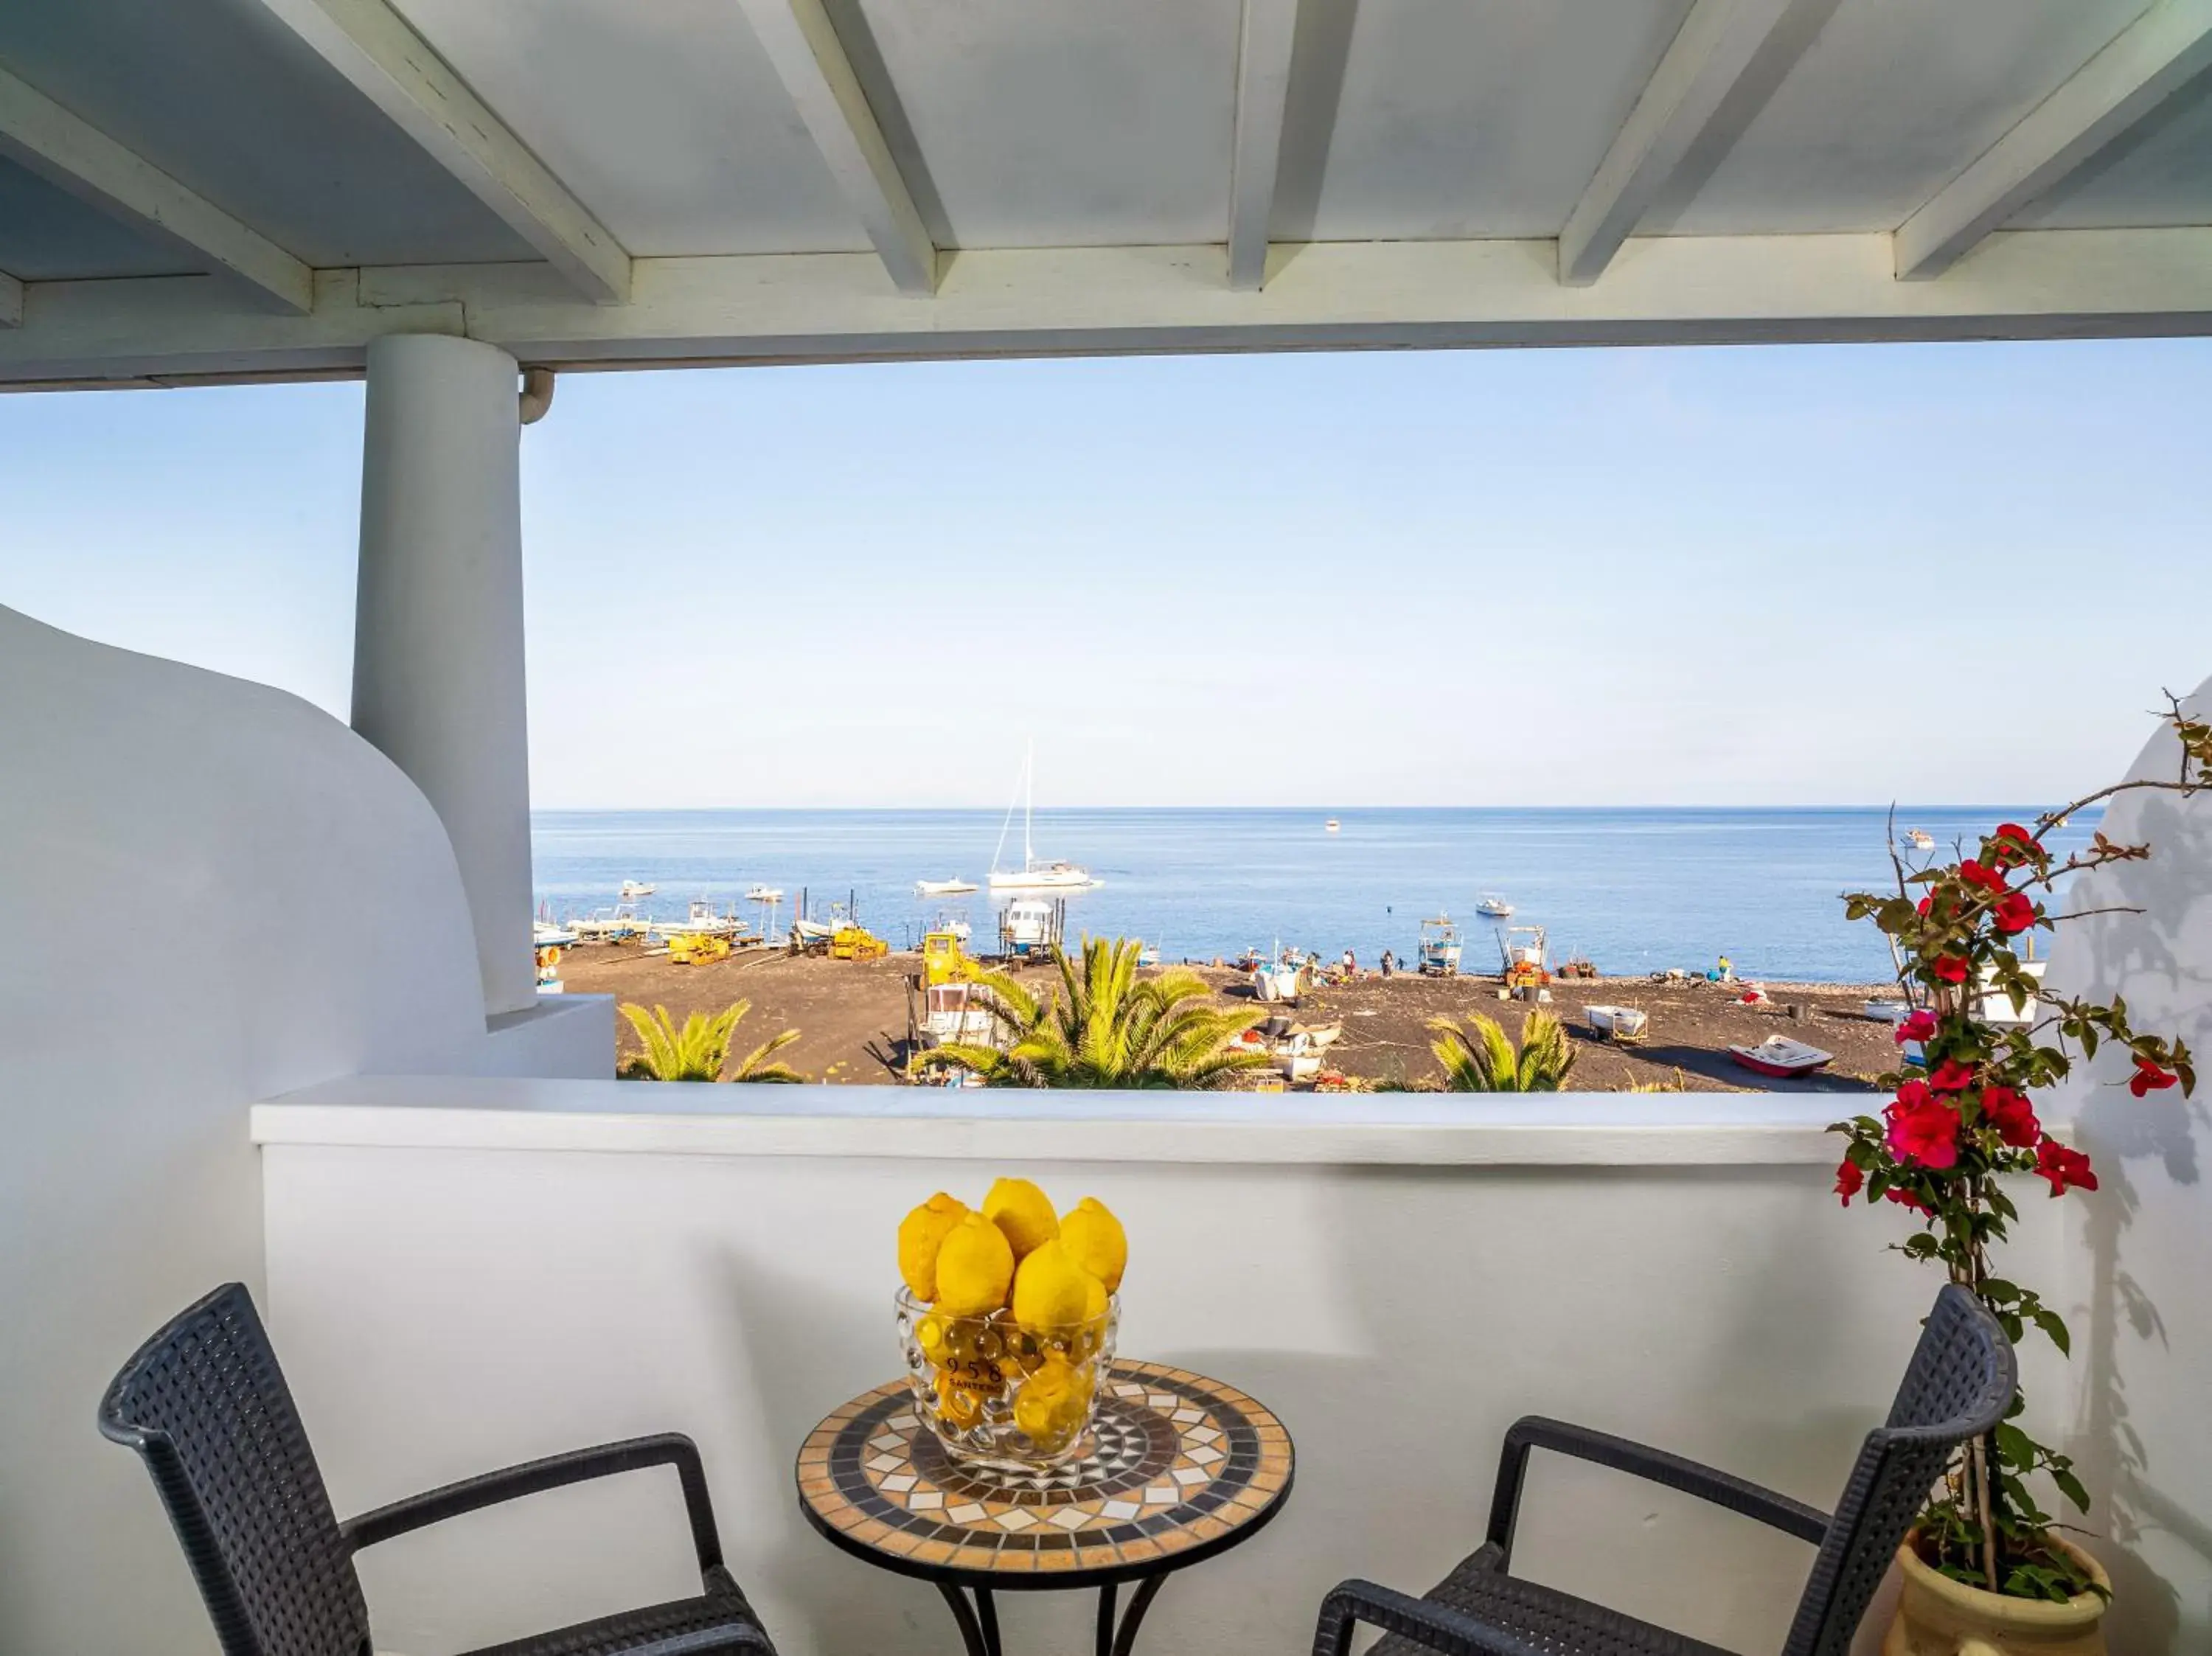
x: 1495, y: 906
x: 544, y: 934
x: 1332, y: 826
x: 1918, y: 839
x: 700, y: 920
x: 1028, y: 925
x: 1617, y: 1023
x: 1778, y: 1055
x: 955, y: 888
x: 1035, y: 874
x: 765, y: 894
x: 633, y: 889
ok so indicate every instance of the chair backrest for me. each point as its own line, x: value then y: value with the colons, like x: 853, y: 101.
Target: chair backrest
x: 1962, y: 1379
x: 205, y: 1405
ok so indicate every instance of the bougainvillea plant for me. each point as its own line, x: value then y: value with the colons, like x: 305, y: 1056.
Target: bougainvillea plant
x: 1963, y: 1122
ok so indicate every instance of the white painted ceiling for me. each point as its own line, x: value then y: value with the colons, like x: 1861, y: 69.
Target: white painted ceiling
x: 1056, y: 122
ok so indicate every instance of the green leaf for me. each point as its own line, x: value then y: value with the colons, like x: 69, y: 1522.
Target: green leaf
x: 2051, y: 1323
x: 2071, y: 1487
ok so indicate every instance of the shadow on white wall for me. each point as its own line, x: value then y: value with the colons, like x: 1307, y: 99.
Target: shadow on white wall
x: 2143, y: 1334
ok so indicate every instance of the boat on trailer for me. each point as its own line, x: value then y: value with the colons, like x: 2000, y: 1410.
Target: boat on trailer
x: 1781, y: 1056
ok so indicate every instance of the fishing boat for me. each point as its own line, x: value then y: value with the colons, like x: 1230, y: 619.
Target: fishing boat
x: 1035, y: 874
x: 701, y: 921
x: 1030, y: 925
x: 1919, y: 839
x: 765, y: 894
x: 1332, y: 826
x: 953, y: 888
x: 633, y: 889
x: 1777, y: 1055
x: 1617, y: 1023
x: 1493, y: 906
x: 1439, y: 948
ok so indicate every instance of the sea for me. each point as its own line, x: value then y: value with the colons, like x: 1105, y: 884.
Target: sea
x: 1633, y: 890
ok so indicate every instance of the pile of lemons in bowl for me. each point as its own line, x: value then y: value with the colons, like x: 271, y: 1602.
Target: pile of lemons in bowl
x: 1008, y: 1316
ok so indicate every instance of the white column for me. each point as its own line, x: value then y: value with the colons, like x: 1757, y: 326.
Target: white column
x: 438, y: 653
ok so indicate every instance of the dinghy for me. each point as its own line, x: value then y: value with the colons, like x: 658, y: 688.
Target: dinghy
x: 1778, y: 1055
x: 1617, y: 1023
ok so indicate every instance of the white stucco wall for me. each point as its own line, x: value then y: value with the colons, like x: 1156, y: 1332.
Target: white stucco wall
x: 2142, y: 1316
x: 443, y: 1307
x: 213, y: 892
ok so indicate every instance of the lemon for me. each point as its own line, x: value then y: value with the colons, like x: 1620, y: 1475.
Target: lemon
x: 974, y: 1267
x: 1096, y: 1240
x: 921, y: 1234
x: 1023, y: 1212
x: 1094, y: 1302
x: 1051, y: 1290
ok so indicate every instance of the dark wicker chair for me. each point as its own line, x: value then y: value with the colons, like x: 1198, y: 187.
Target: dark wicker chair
x: 205, y: 1403
x: 1960, y: 1385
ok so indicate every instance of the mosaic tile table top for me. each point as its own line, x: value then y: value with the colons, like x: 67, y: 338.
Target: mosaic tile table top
x: 1181, y: 1466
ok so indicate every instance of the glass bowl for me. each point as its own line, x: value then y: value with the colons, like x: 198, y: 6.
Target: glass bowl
x: 997, y: 1394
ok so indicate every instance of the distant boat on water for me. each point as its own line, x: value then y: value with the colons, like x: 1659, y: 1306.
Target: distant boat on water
x: 1331, y: 826
x: 1919, y: 839
x: 633, y: 889
x: 1494, y: 906
x: 1035, y: 874
x: 765, y: 894
x: 955, y: 888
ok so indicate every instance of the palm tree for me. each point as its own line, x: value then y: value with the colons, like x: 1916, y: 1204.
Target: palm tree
x: 1480, y: 1057
x: 1108, y: 1027
x: 700, y: 1051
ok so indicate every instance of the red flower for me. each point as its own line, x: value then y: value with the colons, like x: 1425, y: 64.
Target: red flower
x: 1905, y: 1198
x: 1974, y: 873
x: 1918, y: 1026
x: 1923, y: 905
x: 1925, y: 1134
x: 2012, y: 845
x: 2014, y: 913
x: 1951, y: 1076
x: 2066, y: 1170
x: 2013, y: 1116
x: 1849, y: 1180
x: 1911, y: 1096
x: 1948, y: 968
x: 2150, y: 1078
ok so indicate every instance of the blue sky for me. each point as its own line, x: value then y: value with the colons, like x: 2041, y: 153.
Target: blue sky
x: 1784, y: 575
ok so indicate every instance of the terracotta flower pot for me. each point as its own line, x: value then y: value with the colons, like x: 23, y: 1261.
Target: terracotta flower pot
x: 1939, y: 1617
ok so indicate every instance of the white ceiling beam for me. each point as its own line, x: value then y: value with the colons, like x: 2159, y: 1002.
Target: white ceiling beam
x: 828, y: 307
x: 1263, y: 87
x: 2150, y: 60
x: 802, y: 45
x: 42, y: 136
x: 382, y: 57
x: 1718, y: 41
x: 11, y: 301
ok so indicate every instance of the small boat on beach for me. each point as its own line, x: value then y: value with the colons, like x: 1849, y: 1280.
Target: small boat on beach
x: 1617, y: 1023
x: 953, y: 888
x: 1439, y: 949
x: 1887, y: 1011
x: 1779, y: 1056
x: 1494, y: 907
x: 633, y: 889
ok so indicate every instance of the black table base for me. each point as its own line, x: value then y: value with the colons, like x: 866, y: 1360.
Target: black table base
x: 979, y: 1620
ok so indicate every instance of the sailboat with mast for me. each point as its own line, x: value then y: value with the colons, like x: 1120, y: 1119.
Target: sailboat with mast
x: 1035, y: 873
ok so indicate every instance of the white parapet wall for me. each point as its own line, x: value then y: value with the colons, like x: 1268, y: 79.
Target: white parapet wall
x: 214, y: 892
x: 463, y: 1274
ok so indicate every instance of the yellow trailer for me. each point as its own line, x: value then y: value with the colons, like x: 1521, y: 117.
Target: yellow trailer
x: 697, y: 948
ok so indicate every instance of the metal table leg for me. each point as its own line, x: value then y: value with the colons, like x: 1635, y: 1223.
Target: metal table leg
x: 979, y: 1623
x: 1121, y: 1641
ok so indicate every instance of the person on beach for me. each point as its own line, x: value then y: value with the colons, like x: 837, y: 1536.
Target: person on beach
x: 1351, y: 966
x: 1388, y: 960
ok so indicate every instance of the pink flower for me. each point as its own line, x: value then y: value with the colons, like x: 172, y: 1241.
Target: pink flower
x: 1925, y: 1134
x: 1951, y: 1076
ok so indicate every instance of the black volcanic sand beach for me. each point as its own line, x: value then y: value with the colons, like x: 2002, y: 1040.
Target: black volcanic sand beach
x: 852, y: 1017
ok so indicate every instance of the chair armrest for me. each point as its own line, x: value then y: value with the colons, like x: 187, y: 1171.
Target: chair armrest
x: 1722, y: 1489
x: 535, y: 1477
x: 1439, y: 1627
